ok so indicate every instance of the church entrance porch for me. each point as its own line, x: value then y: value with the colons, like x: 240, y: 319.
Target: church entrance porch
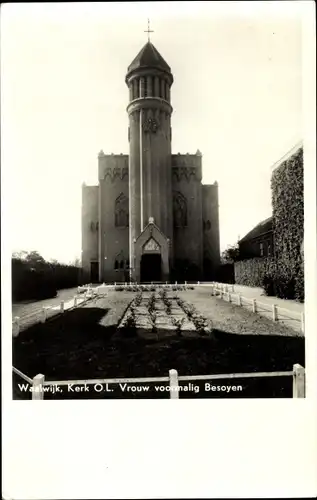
x: 151, y: 255
x: 151, y: 267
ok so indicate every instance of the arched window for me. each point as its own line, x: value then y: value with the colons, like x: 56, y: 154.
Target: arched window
x: 121, y: 211
x: 121, y: 264
x: 179, y: 210
x: 116, y: 264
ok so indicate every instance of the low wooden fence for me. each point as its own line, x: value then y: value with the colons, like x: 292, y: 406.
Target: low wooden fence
x: 277, y: 312
x: 39, y: 383
x: 158, y: 284
x: 44, y: 313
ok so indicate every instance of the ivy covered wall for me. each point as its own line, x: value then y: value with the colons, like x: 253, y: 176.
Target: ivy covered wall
x: 282, y: 275
x: 287, y: 185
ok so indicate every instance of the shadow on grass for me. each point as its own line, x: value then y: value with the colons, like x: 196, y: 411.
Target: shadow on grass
x: 77, y: 346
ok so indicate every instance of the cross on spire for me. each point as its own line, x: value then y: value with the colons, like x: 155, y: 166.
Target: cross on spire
x: 148, y: 31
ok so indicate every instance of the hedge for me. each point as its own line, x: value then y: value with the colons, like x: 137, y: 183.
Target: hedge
x: 287, y: 185
x: 251, y: 272
x: 41, y: 280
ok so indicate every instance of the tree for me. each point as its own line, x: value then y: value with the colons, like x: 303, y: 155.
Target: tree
x: 35, y: 260
x: 231, y: 254
x: 76, y: 262
x: 20, y: 255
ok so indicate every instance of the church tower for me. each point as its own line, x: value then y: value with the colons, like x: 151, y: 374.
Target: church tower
x: 150, y: 218
x: 149, y: 80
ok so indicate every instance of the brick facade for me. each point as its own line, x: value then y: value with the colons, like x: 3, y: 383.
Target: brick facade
x: 149, y: 191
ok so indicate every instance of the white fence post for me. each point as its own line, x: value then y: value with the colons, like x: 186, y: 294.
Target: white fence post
x: 239, y: 299
x: 302, y: 318
x: 62, y: 306
x: 43, y: 315
x: 254, y: 306
x: 298, y: 381
x: 173, y: 384
x: 198, y: 282
x: 16, y: 326
x: 38, y: 382
x: 274, y: 312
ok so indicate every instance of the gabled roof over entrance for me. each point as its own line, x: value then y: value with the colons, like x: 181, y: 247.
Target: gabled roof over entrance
x: 152, y: 231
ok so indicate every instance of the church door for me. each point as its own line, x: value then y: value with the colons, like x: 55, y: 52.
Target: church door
x: 94, y: 272
x: 151, y: 267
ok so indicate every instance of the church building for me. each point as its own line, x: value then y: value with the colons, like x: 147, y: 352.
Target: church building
x: 150, y: 218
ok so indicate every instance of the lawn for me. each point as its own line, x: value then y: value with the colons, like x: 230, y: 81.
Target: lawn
x: 84, y: 343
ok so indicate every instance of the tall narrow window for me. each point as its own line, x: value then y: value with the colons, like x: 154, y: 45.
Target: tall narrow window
x: 121, y: 211
x: 261, y: 249
x: 179, y: 210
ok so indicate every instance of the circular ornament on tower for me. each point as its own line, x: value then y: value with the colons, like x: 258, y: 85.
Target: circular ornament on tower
x: 150, y: 125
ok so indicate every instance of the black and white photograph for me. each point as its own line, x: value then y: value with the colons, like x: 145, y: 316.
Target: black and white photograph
x: 158, y: 210
x: 158, y: 216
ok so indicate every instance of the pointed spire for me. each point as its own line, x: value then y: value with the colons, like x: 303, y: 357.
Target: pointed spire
x: 149, y: 56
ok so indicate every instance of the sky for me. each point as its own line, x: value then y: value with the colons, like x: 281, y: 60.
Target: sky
x: 237, y: 97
